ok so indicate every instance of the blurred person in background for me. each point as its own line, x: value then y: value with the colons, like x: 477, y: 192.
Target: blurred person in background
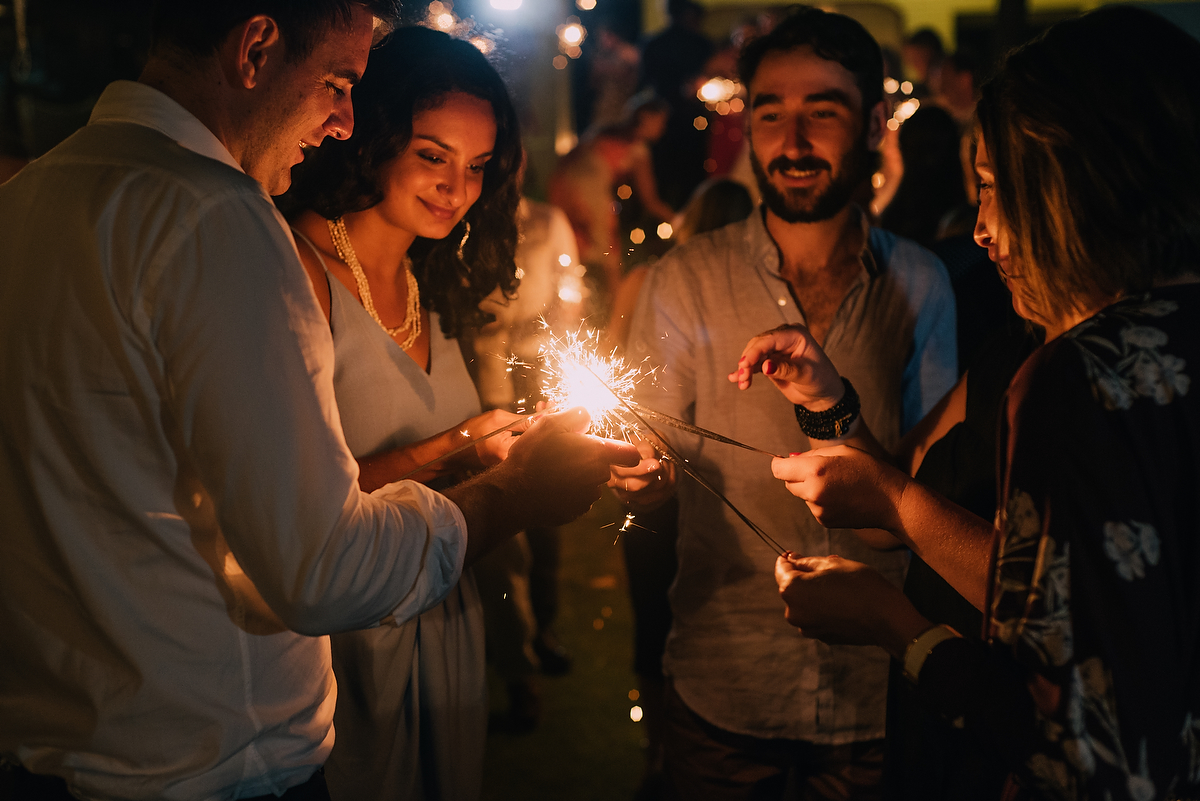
x: 584, y: 184
x: 923, y: 53
x: 673, y: 64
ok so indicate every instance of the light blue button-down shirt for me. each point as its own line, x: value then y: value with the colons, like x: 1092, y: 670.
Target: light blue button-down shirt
x: 734, y: 659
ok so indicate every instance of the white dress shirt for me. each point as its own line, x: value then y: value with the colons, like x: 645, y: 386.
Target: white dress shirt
x: 176, y: 497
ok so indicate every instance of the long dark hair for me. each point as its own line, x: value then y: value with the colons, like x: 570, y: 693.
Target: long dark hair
x: 1091, y: 132
x: 412, y: 71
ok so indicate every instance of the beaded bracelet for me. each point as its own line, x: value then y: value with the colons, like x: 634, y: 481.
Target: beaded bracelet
x: 834, y: 422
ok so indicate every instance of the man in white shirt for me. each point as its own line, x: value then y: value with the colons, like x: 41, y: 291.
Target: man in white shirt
x: 176, y: 497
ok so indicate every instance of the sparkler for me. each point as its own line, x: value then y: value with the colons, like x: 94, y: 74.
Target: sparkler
x: 576, y: 375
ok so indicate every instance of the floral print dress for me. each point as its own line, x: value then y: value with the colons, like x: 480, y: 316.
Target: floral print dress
x: 1090, y: 682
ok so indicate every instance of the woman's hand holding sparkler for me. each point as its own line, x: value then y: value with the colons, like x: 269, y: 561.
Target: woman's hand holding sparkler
x: 494, y: 449
x: 838, y: 601
x: 647, y: 485
x: 796, y: 365
x: 845, y: 487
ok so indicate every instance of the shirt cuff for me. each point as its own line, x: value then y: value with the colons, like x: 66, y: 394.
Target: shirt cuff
x: 444, y: 552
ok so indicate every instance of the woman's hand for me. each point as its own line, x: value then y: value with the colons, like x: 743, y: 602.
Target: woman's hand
x: 493, y: 450
x: 845, y: 487
x: 841, y: 602
x: 795, y: 363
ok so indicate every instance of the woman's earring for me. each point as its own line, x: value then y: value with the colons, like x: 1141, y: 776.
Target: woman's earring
x: 466, y: 236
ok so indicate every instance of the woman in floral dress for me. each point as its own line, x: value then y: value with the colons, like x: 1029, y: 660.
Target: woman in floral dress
x: 1088, y: 684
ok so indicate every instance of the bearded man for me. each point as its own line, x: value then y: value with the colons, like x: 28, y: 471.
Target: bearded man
x: 750, y: 709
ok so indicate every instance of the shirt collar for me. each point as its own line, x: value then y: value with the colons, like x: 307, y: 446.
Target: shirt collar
x: 137, y: 103
x: 765, y: 252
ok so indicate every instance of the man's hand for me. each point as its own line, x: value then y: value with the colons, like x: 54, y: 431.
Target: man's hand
x: 841, y: 602
x: 647, y: 485
x: 845, y: 487
x: 795, y: 363
x: 554, y: 471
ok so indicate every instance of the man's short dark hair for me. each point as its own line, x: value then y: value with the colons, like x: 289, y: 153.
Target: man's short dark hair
x: 198, y: 27
x: 834, y: 37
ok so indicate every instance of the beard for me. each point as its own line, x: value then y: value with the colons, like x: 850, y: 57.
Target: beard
x: 812, y: 204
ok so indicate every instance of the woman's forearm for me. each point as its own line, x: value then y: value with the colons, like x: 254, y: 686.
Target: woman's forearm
x: 385, y: 467
x: 954, y: 542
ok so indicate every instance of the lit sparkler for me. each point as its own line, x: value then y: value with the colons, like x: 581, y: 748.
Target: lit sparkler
x: 577, y: 375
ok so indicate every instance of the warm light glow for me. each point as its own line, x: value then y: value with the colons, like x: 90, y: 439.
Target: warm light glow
x: 635, y: 714
x: 565, y: 142
x: 576, y: 375
x: 906, y: 87
x: 637, y: 236
x: 571, y: 34
x: 716, y: 90
x: 560, y: 63
x: 907, y: 109
x: 483, y: 44
x: 891, y: 85
x: 597, y: 624
x: 664, y: 231
x: 574, y: 51
x: 585, y: 5
x: 436, y: 7
x: 736, y: 105
x: 893, y: 124
x: 444, y: 21
x: 700, y: 123
x: 565, y: 260
x: 634, y: 695
x: 624, y: 191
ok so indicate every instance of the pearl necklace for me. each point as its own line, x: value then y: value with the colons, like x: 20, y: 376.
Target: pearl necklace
x: 412, y: 314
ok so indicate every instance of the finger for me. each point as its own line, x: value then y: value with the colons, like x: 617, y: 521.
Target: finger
x: 618, y: 453
x: 784, y: 570
x: 575, y: 421
x: 795, y: 468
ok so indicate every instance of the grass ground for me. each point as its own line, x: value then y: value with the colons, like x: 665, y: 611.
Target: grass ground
x: 587, y: 747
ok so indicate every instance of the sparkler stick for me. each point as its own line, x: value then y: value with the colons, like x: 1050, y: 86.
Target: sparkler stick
x: 462, y: 448
x: 664, y: 447
x: 683, y: 425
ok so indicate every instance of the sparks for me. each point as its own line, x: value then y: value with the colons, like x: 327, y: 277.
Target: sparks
x: 576, y: 375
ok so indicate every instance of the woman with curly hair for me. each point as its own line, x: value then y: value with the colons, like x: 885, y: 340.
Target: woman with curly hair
x: 404, y: 229
x: 1087, y: 685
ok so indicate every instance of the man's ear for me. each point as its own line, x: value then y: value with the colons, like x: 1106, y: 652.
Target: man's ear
x: 248, y: 48
x: 876, y: 124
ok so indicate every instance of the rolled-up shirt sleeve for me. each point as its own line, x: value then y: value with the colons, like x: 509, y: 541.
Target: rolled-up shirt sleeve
x: 249, y: 362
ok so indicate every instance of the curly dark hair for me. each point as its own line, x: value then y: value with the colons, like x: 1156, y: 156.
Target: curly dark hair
x: 410, y: 72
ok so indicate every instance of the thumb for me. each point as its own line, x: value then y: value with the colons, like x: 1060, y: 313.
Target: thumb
x: 573, y: 421
x: 617, y: 452
x: 782, y: 371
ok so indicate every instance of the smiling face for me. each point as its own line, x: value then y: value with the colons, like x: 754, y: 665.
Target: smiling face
x: 809, y: 137
x: 304, y: 101
x: 434, y: 181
